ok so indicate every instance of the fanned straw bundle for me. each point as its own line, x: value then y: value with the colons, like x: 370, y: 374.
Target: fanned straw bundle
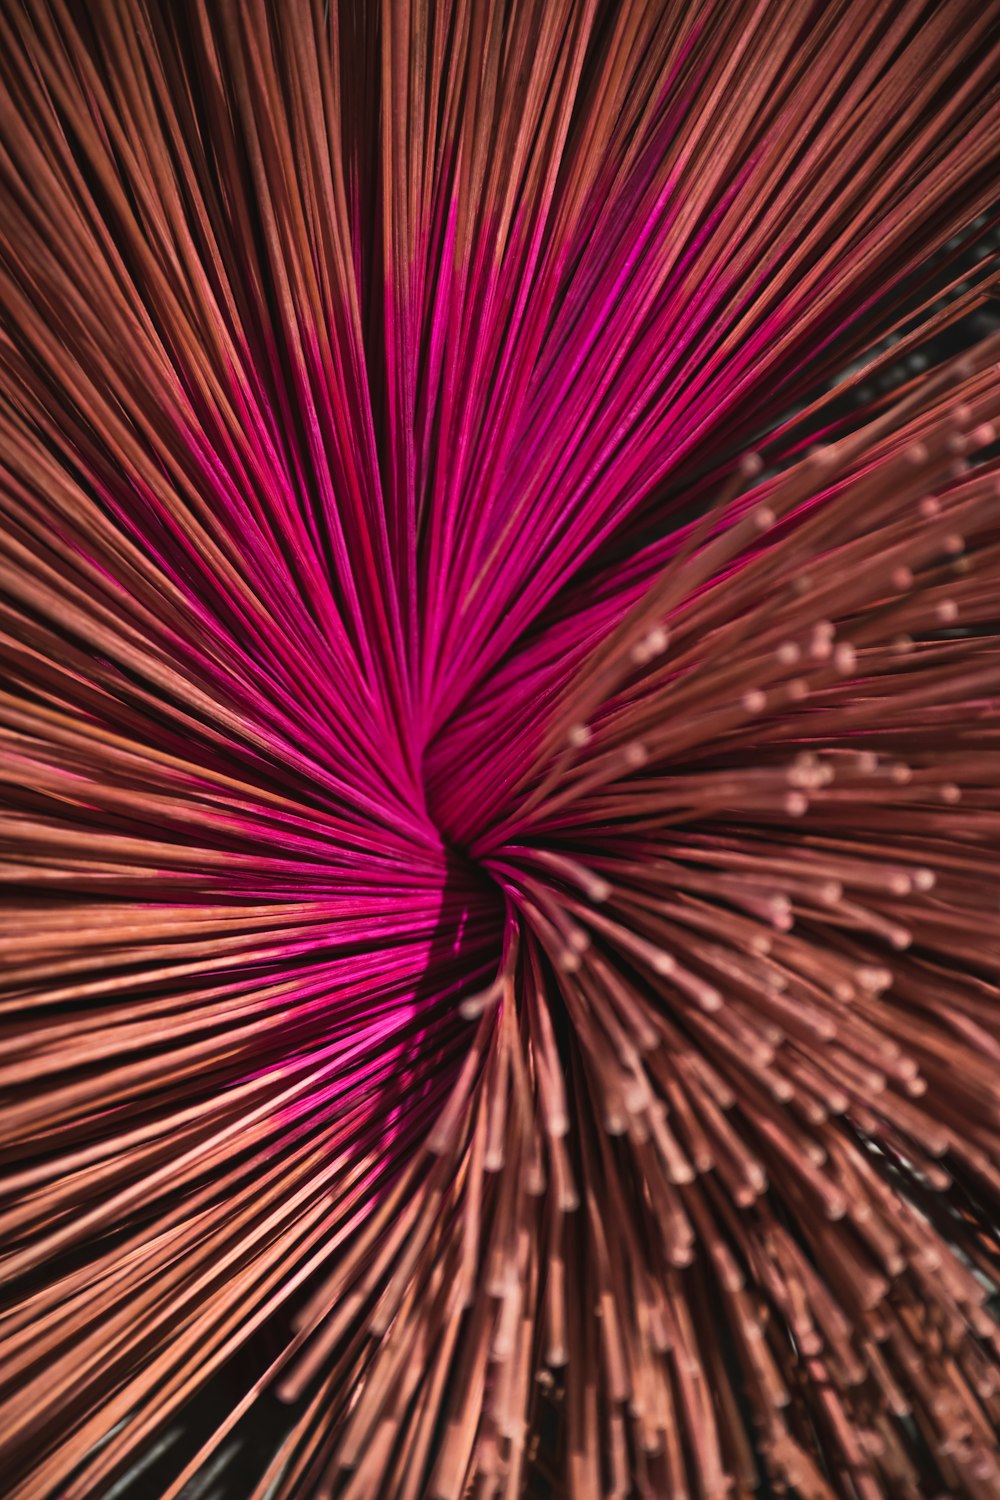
x: 500, y: 750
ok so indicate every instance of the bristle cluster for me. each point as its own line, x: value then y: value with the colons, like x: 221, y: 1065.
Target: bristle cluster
x: 500, y: 755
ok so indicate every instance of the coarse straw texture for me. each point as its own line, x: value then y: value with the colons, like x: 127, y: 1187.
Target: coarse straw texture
x: 500, y: 750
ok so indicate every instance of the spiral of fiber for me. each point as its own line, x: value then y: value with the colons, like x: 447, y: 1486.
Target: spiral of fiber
x: 499, y: 749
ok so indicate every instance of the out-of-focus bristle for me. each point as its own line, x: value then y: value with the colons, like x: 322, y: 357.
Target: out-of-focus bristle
x: 499, y: 977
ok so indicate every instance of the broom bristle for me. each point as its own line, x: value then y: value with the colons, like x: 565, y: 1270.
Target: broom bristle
x: 500, y: 748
